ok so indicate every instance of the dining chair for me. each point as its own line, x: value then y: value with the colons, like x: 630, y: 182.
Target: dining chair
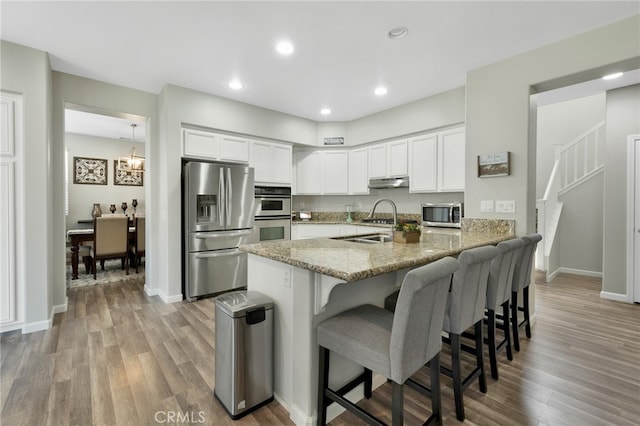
x: 136, y: 247
x: 110, y: 240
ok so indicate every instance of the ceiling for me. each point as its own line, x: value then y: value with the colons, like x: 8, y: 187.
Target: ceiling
x: 342, y: 50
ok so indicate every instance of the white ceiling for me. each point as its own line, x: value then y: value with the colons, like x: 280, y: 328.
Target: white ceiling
x: 342, y: 51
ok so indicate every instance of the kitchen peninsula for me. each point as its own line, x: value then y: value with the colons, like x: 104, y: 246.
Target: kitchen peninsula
x: 313, y: 279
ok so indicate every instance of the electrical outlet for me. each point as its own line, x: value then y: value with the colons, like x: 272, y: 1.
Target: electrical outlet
x: 505, y: 206
x: 486, y: 206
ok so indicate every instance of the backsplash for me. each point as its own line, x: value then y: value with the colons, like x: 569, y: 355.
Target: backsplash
x: 339, y: 217
x: 502, y: 226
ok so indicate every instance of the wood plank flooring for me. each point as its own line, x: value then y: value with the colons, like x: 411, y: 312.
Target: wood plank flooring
x: 118, y: 357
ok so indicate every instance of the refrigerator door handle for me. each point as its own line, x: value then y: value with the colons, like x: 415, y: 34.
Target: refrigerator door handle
x: 221, y: 197
x: 218, y: 253
x: 206, y: 235
x: 228, y: 198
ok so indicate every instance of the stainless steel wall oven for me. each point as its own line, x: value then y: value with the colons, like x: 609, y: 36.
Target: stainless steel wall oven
x: 273, y: 214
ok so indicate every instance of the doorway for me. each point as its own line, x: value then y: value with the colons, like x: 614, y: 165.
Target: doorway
x: 95, y: 140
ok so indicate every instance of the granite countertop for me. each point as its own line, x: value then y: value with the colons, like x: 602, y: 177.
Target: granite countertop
x: 352, y: 261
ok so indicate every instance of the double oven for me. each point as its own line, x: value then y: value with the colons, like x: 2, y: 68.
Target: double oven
x: 272, y: 214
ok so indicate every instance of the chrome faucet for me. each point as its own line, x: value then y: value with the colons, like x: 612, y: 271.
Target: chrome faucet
x: 393, y: 206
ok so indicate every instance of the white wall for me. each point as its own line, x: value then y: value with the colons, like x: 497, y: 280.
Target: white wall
x: 82, y: 196
x: 27, y: 71
x: 623, y: 119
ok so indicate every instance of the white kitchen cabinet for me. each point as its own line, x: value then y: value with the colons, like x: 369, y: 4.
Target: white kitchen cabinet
x: 388, y: 159
x: 322, y: 172
x: 272, y: 163
x: 423, y: 163
x: 437, y: 162
x: 451, y: 160
x: 359, y: 171
x: 213, y: 146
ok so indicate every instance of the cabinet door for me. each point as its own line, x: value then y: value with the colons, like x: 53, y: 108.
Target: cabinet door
x: 234, y: 149
x: 261, y: 155
x: 281, y: 165
x: 397, y: 158
x: 308, y: 172
x: 378, y: 161
x: 201, y: 144
x: 335, y: 172
x: 358, y: 171
x: 451, y: 160
x: 423, y: 163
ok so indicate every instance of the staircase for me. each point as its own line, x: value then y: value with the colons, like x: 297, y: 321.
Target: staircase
x: 575, y: 163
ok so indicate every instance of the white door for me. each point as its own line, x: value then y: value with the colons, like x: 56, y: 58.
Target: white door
x: 635, y: 225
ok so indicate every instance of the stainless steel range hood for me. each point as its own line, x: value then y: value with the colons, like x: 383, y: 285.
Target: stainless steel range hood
x: 396, y: 182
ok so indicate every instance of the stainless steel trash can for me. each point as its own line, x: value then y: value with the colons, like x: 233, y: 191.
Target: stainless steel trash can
x: 244, y: 351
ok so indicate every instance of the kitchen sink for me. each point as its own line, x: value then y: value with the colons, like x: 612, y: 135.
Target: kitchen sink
x: 367, y: 239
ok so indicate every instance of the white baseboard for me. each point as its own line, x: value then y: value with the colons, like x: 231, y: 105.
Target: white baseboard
x: 170, y: 299
x: 58, y: 309
x: 11, y: 326
x: 618, y: 297
x: 32, y: 327
x: 150, y: 291
x: 551, y: 275
x: 582, y: 272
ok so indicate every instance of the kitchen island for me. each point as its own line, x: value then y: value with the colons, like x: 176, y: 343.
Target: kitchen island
x: 314, y: 279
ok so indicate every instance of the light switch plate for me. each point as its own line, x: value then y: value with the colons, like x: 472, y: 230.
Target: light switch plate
x: 505, y: 206
x: 486, y: 206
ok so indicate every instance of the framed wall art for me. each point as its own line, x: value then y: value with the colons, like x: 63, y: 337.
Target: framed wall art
x: 493, y: 165
x: 127, y: 177
x: 91, y: 171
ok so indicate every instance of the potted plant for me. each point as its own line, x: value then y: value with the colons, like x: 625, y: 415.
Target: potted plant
x: 406, y: 232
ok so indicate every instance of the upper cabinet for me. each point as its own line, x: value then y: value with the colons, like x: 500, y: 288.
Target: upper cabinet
x: 437, y: 162
x: 213, y: 146
x: 322, y: 172
x: 388, y: 159
x: 272, y: 163
x: 359, y: 171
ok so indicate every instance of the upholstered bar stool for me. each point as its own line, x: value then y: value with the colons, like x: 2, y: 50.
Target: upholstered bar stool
x: 499, y: 295
x: 521, y: 281
x: 465, y: 309
x: 394, y: 345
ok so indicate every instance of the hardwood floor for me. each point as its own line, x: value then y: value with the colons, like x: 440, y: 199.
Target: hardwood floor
x: 118, y: 357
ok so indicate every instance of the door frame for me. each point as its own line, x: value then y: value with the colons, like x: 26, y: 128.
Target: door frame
x: 633, y: 167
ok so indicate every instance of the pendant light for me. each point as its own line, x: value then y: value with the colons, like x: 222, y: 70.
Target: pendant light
x: 132, y: 161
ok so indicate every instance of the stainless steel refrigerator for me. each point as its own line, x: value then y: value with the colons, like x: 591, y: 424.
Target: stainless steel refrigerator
x: 217, y: 218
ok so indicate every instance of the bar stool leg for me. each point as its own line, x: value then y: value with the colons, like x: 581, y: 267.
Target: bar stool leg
x: 480, y: 356
x: 323, y: 369
x: 456, y: 374
x: 525, y: 302
x: 514, y: 320
x: 397, y: 396
x: 491, y: 329
x: 368, y: 383
x: 505, y: 326
x: 436, y: 400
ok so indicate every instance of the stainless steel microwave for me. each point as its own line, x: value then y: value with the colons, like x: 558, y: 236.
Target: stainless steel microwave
x: 446, y: 215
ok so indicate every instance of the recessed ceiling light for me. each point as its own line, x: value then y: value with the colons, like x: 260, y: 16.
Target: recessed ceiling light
x: 325, y: 111
x: 398, y: 32
x: 284, y: 48
x: 380, y: 91
x: 612, y: 76
x: 235, y: 85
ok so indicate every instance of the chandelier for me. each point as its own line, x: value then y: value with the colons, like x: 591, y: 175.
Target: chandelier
x: 131, y: 161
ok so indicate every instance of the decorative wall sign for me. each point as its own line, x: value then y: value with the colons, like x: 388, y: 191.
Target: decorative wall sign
x: 127, y: 177
x: 92, y: 171
x: 338, y: 140
x: 492, y: 165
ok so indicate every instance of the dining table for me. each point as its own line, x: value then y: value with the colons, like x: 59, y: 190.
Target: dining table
x: 81, y: 233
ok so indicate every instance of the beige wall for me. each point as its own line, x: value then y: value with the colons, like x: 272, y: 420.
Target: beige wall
x: 623, y: 119
x: 498, y: 111
x: 27, y: 71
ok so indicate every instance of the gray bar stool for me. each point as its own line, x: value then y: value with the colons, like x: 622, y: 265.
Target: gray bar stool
x: 465, y: 308
x: 521, y: 281
x: 394, y: 345
x: 499, y: 295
